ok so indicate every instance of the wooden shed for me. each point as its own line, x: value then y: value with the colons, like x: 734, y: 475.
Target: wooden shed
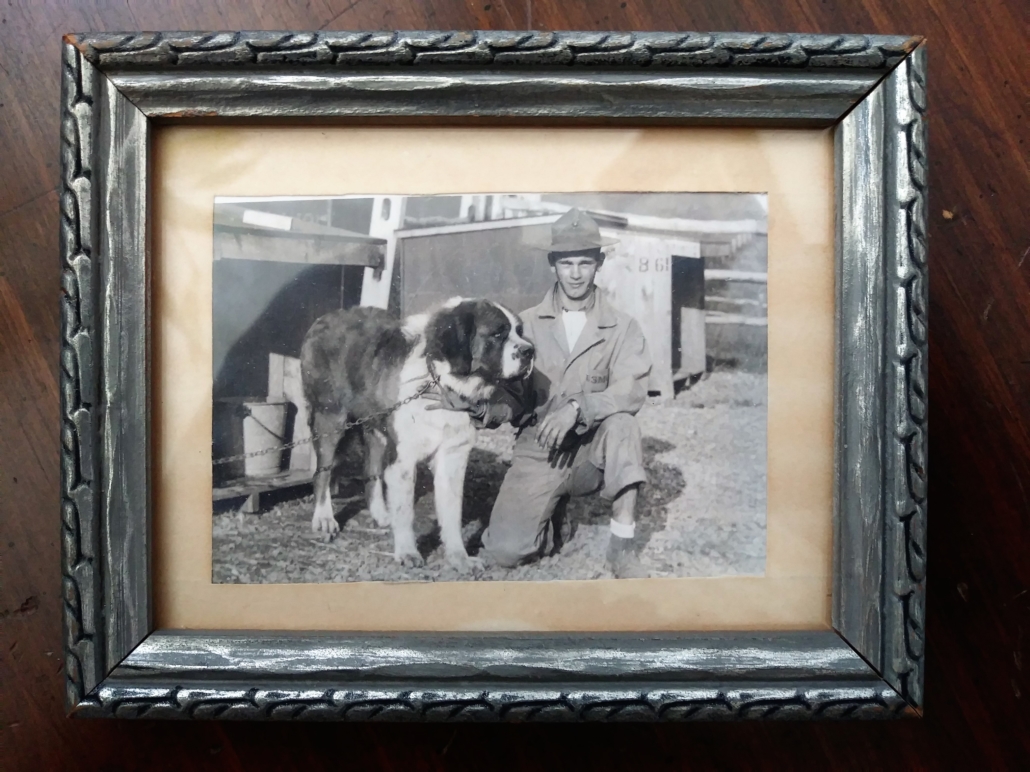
x: 500, y: 259
x: 273, y: 275
x: 697, y: 287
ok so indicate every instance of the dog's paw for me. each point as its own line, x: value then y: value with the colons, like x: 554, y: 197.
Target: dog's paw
x: 326, y: 525
x: 410, y: 559
x: 463, y: 563
x: 379, y: 516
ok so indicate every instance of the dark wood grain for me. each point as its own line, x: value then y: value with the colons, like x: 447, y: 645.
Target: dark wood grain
x: 978, y: 614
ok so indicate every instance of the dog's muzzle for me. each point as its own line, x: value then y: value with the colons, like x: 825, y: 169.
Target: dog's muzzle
x: 524, y: 353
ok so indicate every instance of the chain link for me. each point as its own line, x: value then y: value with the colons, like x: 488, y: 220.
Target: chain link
x: 433, y: 381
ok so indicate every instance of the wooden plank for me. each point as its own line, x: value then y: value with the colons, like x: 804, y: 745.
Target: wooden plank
x: 387, y: 218
x: 692, y: 343
x: 284, y: 382
x: 238, y: 217
x: 302, y: 457
x: 721, y: 274
x: 276, y: 372
x: 694, y: 230
x: 723, y: 317
x: 484, y: 225
x: 248, y: 486
x: 245, y: 244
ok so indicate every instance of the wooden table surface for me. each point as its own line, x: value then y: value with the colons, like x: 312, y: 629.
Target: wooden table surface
x: 978, y: 617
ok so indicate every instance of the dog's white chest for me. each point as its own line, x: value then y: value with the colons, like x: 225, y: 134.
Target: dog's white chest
x: 423, y: 432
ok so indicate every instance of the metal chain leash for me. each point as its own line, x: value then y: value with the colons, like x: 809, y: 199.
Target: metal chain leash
x: 433, y: 381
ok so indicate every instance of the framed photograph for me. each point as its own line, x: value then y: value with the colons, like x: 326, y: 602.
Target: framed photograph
x: 494, y: 375
x: 462, y: 264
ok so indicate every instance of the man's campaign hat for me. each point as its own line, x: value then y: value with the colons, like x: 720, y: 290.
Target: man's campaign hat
x: 575, y: 231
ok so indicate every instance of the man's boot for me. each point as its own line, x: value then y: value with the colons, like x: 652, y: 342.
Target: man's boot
x: 622, y: 559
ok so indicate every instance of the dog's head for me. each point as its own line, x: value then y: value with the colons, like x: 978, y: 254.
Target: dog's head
x: 479, y: 337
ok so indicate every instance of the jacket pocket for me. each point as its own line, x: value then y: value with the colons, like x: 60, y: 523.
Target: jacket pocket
x: 596, y: 380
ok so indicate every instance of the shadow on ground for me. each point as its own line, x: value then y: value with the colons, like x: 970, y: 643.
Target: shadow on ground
x: 486, y: 472
x: 483, y: 480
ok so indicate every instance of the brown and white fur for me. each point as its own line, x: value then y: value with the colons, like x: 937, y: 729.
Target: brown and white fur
x: 359, y: 363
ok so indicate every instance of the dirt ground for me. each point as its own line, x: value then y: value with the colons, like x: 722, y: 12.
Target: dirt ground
x: 701, y: 513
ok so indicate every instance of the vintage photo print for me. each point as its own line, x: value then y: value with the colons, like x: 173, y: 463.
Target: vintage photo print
x: 552, y: 386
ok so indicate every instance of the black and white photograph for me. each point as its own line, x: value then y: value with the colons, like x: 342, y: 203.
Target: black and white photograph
x: 525, y: 386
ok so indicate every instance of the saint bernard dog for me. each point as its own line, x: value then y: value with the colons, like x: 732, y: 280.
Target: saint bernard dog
x: 359, y: 363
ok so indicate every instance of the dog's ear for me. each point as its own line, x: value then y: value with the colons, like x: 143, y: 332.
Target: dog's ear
x: 449, y: 336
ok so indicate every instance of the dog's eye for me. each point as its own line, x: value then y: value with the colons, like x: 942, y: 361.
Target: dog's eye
x: 498, y: 334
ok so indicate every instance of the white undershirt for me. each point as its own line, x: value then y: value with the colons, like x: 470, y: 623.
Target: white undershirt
x: 574, y: 322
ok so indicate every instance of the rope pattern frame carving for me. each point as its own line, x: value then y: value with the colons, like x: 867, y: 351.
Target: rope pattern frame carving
x: 85, y: 60
x: 641, y: 49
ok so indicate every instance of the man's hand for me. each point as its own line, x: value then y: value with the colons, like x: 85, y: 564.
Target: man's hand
x: 557, y: 424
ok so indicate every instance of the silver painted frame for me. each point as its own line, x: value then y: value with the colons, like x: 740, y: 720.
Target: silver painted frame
x: 871, y: 89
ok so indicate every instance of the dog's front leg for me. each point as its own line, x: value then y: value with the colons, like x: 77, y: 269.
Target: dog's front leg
x: 449, y: 467
x: 400, y: 504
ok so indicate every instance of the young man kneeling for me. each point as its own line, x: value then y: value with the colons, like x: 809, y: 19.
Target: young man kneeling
x: 576, y: 412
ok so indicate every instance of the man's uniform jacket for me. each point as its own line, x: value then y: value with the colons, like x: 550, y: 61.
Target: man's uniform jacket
x: 606, y: 373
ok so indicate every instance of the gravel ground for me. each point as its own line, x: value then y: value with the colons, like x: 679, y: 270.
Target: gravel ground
x: 702, y: 512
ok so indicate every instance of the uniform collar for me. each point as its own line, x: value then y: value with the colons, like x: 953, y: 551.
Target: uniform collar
x: 599, y: 312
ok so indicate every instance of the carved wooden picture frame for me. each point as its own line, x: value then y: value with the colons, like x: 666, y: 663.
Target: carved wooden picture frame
x: 871, y: 89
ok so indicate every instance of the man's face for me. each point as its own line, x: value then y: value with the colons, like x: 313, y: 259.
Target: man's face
x: 576, y: 275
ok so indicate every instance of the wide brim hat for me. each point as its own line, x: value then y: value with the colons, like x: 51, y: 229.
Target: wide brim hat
x: 575, y: 231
